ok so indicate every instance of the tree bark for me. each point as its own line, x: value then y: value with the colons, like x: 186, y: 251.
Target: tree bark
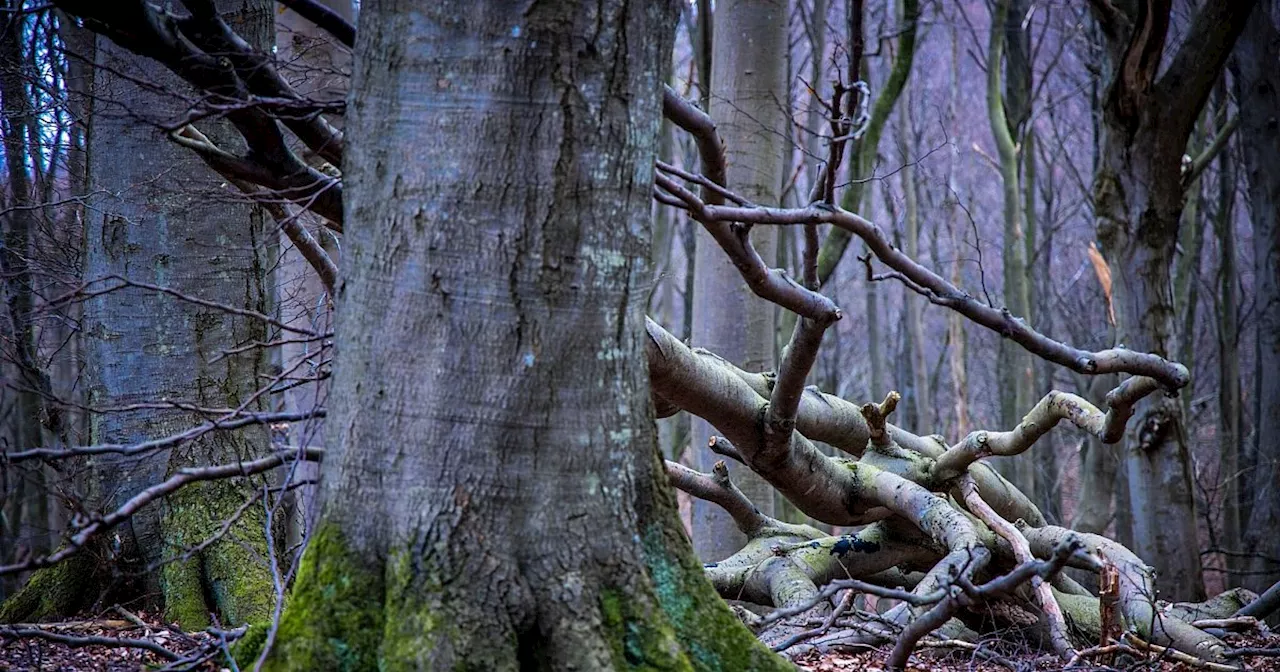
x: 749, y: 92
x: 492, y: 496
x: 23, y: 378
x: 1229, y: 400
x: 1258, y: 91
x: 1007, y: 115
x: 159, y: 217
x: 1138, y: 195
x: 318, y: 67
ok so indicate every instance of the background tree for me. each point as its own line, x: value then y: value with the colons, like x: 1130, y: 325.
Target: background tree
x: 748, y: 89
x: 161, y: 222
x: 1258, y: 91
x: 1148, y: 116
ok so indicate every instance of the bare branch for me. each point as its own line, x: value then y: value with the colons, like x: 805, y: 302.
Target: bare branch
x: 1022, y: 553
x: 327, y: 19
x: 75, y: 641
x: 1116, y: 360
x: 971, y: 594
x: 1053, y: 407
x: 797, y: 361
x: 718, y: 489
x: 1193, y: 170
x: 169, y: 486
x: 232, y: 421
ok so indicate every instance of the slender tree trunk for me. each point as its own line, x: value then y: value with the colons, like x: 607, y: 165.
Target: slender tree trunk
x: 522, y: 520
x: 1258, y: 91
x: 1007, y: 114
x: 921, y: 398
x: 24, y: 509
x: 957, y: 360
x: 317, y: 67
x: 1229, y: 401
x: 749, y: 92
x: 864, y: 154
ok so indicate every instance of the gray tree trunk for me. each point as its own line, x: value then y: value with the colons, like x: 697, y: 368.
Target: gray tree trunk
x: 1229, y: 400
x: 1147, y: 118
x: 159, y: 217
x: 1007, y: 115
x: 317, y: 67
x: 1258, y: 91
x: 749, y: 93
x: 492, y: 497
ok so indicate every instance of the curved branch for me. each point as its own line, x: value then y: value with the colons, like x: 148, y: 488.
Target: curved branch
x: 1054, y: 407
x: 719, y: 490
x: 327, y: 19
x: 1022, y: 553
x: 1137, y: 593
x: 971, y: 594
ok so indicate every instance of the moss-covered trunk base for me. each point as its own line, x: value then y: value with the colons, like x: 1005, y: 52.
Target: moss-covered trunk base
x: 228, y: 576
x: 55, y: 592
x: 349, y: 612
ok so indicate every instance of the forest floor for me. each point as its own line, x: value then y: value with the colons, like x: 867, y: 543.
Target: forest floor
x: 200, y: 652
x: 962, y: 661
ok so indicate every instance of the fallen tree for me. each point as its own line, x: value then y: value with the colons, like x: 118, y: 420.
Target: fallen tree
x: 934, y: 515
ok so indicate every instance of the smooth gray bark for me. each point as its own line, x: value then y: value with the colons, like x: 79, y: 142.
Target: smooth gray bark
x: 160, y: 217
x: 749, y: 93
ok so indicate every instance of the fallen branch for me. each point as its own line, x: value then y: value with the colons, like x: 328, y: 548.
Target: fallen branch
x: 970, y: 594
x: 75, y: 641
x: 1052, y: 408
x: 1176, y: 655
x: 1022, y: 553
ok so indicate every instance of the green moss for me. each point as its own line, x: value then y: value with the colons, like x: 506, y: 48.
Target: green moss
x: 335, y: 619
x: 1084, y: 620
x: 53, y: 592
x: 247, y: 649
x: 638, y: 638
x: 411, y: 615
x: 183, y: 596
x: 229, y: 576
x: 709, y: 632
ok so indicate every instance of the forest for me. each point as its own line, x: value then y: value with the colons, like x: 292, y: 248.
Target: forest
x: 714, y: 335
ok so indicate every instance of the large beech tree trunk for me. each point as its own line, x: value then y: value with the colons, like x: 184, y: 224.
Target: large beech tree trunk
x: 493, y: 496
x: 749, y: 92
x: 159, y: 216
x: 1258, y: 90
